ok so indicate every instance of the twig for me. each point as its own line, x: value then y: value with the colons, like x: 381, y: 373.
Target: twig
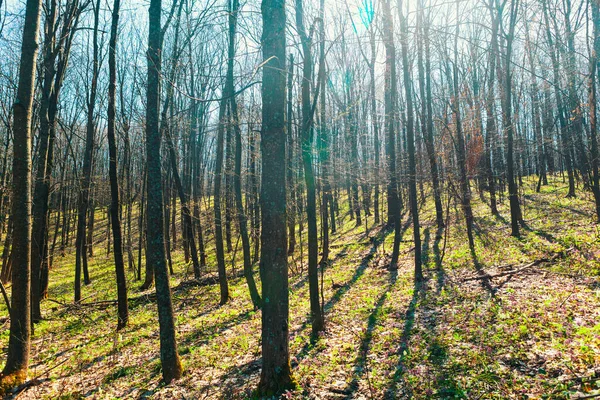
x: 590, y: 396
x: 512, y: 272
x: 5, y: 297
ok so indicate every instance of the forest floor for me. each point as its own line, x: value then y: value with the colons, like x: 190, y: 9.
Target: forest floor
x: 532, y: 330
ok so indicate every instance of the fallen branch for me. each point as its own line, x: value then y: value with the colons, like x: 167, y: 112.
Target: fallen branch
x: 151, y: 296
x: 507, y: 273
x: 535, y: 263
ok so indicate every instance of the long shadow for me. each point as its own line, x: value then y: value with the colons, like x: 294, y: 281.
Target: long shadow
x: 481, y: 233
x: 403, y: 348
x: 485, y: 280
x: 425, y: 247
x: 544, y: 235
x: 235, y: 377
x: 440, y: 274
x: 360, y: 365
x: 339, y: 293
x: 206, y: 332
x: 500, y: 218
x: 341, y: 254
x: 149, y: 296
x: 541, y: 202
x: 376, y: 241
x: 439, y: 269
x: 437, y: 350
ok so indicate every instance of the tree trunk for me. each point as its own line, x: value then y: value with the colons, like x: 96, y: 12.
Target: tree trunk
x: 115, y: 204
x: 490, y: 125
x: 317, y: 320
x: 594, y: 70
x: 17, y: 361
x: 291, y: 183
x: 426, y: 115
x: 515, y: 210
x: 410, y: 137
x: 84, y: 190
x: 155, y: 252
x: 564, y: 135
x: 227, y: 91
x: 390, y: 94
x: 276, y: 374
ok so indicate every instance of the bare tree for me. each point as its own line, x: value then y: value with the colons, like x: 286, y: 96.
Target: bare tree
x: 115, y: 203
x: 155, y: 253
x: 17, y: 361
x: 276, y: 374
x: 306, y: 128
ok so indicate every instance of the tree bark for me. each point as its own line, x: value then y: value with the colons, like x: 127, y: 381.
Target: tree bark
x: 317, y: 320
x: 17, y: 361
x: 155, y: 252
x: 390, y: 94
x: 84, y: 191
x: 410, y: 137
x: 115, y: 203
x: 276, y: 374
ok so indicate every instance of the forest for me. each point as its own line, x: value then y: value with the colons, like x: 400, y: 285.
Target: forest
x: 301, y: 199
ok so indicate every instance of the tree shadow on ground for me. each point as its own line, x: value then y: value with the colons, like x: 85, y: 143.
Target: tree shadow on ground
x: 484, y: 280
x: 207, y: 331
x: 376, y: 241
x: 544, y: 235
x: 301, y: 282
x: 440, y: 273
x: 540, y: 202
x: 237, y: 377
x: 500, y: 218
x: 361, y: 366
x: 403, y: 347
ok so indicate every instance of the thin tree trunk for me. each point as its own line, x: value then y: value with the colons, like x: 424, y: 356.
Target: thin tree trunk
x: 123, y: 313
x: 566, y: 143
x: 390, y: 94
x: 594, y: 70
x: 317, y: 319
x: 291, y: 183
x: 426, y: 114
x: 84, y: 190
x: 410, y: 137
x: 515, y: 210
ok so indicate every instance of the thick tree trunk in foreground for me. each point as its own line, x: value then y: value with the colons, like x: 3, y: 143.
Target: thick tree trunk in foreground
x: 155, y: 252
x: 17, y: 361
x: 276, y: 374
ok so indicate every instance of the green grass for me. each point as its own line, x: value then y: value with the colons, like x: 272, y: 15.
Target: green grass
x: 537, y: 335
